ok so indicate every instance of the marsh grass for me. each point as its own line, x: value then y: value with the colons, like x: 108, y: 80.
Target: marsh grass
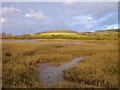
x: 16, y: 74
x: 68, y: 84
x: 98, y: 69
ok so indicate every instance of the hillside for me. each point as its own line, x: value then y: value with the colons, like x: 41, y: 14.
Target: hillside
x: 110, y: 30
x: 68, y: 34
x: 57, y: 31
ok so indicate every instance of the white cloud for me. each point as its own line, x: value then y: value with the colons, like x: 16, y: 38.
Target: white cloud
x: 37, y: 15
x: 9, y: 10
x: 82, y: 23
x: 92, y: 31
x: 114, y: 26
x: 69, y: 2
x: 3, y: 20
x: 86, y: 21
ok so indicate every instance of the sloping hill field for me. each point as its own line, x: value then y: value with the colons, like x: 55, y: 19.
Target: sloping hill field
x: 58, y: 34
x: 68, y: 34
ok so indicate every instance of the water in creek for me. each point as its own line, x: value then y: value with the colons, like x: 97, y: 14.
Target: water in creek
x: 23, y: 40
x: 50, y: 74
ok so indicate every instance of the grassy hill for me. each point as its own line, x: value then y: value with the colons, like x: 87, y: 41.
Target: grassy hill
x: 69, y: 34
x: 58, y: 34
x: 57, y: 31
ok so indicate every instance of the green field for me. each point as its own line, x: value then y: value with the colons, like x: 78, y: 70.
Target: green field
x: 99, y: 68
x: 59, y: 35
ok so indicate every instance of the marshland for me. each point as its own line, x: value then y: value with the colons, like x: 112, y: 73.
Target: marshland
x: 62, y: 44
x: 97, y: 68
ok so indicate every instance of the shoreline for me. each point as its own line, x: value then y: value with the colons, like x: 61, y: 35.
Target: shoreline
x: 73, y: 40
x: 70, y: 40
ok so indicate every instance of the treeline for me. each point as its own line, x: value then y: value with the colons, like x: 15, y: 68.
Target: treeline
x: 10, y: 36
x: 6, y: 36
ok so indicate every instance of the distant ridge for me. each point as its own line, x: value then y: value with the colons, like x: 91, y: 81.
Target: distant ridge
x: 110, y: 30
x: 68, y: 34
x: 70, y: 31
x: 57, y: 31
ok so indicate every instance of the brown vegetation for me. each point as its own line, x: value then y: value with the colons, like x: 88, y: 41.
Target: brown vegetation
x: 99, y: 68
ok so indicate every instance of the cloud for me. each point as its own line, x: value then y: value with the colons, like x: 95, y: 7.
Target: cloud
x: 109, y: 19
x: 82, y: 17
x: 4, y: 20
x: 97, y: 9
x: 85, y: 22
x: 92, y: 16
x: 101, y: 9
x: 37, y: 15
x: 5, y: 10
x: 113, y: 26
x: 69, y: 2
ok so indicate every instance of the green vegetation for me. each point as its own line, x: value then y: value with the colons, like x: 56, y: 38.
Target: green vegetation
x: 98, y: 70
x: 59, y: 35
x: 67, y: 34
x: 6, y: 36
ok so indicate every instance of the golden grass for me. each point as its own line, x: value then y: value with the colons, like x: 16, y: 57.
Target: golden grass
x: 21, y: 58
x: 68, y: 84
x: 99, y: 69
x: 57, y: 39
x: 76, y: 40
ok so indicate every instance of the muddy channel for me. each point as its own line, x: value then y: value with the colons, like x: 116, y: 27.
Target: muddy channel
x: 51, y: 74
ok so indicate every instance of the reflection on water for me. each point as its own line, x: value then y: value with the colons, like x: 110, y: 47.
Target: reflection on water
x: 22, y: 40
x: 51, y: 74
x: 17, y: 40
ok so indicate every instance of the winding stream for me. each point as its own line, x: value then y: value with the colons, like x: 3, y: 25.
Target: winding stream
x: 51, y: 74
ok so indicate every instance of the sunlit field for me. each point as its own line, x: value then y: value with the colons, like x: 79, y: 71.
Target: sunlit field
x: 98, y: 68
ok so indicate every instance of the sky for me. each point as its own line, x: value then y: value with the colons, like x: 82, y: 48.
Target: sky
x: 31, y: 17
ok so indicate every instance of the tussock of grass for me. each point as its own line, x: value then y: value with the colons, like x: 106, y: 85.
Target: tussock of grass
x: 68, y: 84
x: 18, y: 75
